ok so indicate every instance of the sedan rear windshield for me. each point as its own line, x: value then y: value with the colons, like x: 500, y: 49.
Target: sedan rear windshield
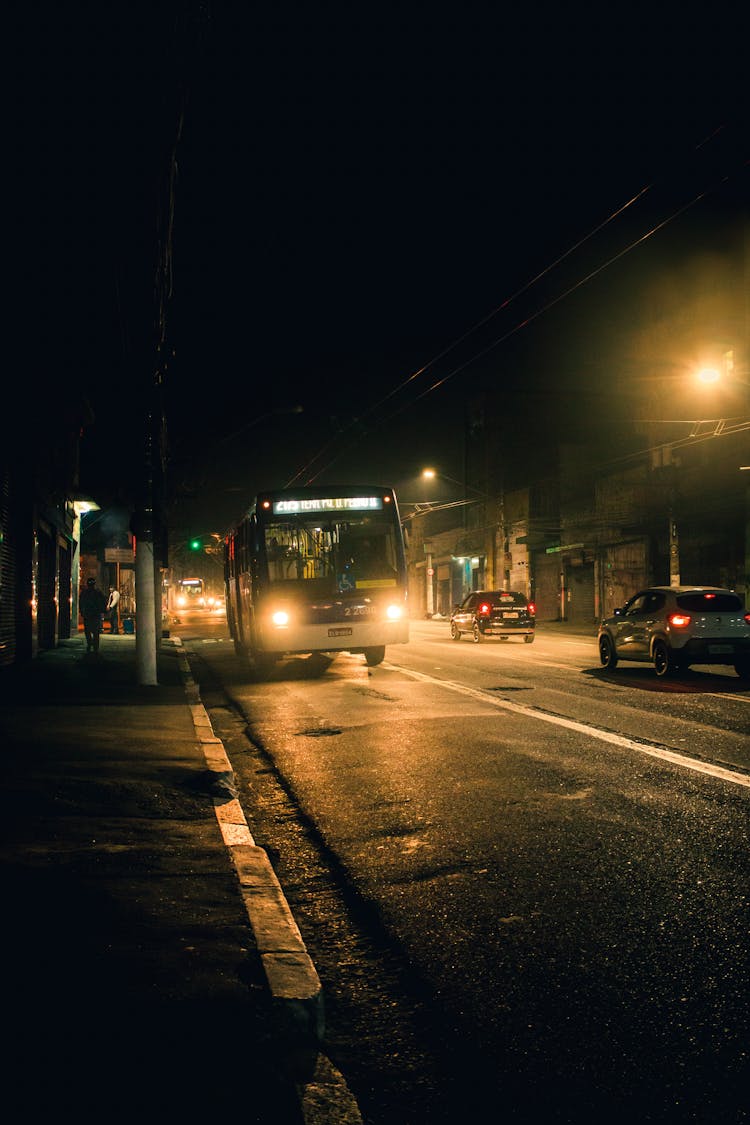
x: 506, y: 597
x: 709, y: 603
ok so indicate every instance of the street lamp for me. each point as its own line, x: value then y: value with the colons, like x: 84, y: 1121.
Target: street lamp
x: 725, y: 372
x: 708, y: 375
x: 432, y: 474
x: 723, y: 379
x: 490, y: 530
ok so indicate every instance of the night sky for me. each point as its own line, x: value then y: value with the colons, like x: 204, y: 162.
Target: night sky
x: 357, y: 189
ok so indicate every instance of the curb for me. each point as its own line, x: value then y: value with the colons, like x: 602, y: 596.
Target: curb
x: 293, y: 981
x: 292, y: 978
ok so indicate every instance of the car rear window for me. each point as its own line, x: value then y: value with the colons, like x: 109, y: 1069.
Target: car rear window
x: 506, y: 597
x: 710, y: 603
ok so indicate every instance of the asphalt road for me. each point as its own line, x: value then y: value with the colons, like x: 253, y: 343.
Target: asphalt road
x: 523, y: 880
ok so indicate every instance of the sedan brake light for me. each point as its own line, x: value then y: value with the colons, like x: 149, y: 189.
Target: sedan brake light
x: 747, y: 618
x: 679, y: 620
x: 532, y: 608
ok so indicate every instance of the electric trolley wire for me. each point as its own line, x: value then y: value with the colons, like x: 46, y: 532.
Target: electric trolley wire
x: 480, y: 324
x: 504, y: 305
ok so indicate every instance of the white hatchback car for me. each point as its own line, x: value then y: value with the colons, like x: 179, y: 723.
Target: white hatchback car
x: 673, y: 627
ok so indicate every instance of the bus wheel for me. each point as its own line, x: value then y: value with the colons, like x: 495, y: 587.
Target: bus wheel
x: 374, y: 655
x: 319, y: 662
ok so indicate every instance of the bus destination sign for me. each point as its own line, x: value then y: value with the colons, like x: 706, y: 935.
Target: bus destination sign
x: 334, y: 504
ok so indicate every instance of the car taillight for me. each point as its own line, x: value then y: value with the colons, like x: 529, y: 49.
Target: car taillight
x: 679, y: 620
x: 747, y: 618
x: 484, y: 610
x: 531, y: 607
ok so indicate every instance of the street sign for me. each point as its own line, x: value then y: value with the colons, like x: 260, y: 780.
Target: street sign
x: 564, y: 547
x: 430, y: 570
x: 118, y: 554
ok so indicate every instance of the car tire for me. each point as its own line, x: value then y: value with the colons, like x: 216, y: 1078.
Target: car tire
x: 476, y: 634
x: 528, y: 639
x: 742, y: 668
x: 607, y: 652
x: 662, y: 661
x: 374, y: 655
x: 455, y: 633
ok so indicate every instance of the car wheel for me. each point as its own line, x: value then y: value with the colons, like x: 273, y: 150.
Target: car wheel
x: 742, y: 668
x: 528, y: 639
x: 662, y: 663
x: 476, y: 634
x: 607, y: 653
x: 374, y: 655
x: 455, y: 632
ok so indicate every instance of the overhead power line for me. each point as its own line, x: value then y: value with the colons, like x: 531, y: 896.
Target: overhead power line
x: 335, y: 441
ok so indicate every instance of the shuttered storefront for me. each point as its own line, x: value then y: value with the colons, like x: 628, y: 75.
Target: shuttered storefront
x: 546, y: 586
x: 579, y: 593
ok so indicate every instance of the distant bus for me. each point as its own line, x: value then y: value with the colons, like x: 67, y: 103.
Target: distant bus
x: 190, y: 593
x: 317, y: 570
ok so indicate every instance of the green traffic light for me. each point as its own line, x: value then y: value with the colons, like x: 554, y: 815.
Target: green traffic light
x: 195, y: 544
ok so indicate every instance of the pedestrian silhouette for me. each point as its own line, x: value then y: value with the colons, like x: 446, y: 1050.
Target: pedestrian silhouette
x: 92, y: 604
x: 113, y: 609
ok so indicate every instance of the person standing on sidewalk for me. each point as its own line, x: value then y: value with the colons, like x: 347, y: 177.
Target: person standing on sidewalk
x: 113, y: 609
x: 92, y: 605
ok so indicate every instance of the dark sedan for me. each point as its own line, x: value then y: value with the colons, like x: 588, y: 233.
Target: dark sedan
x: 494, y: 613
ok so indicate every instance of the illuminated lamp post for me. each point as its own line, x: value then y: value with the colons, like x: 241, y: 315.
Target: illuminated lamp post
x: 432, y: 474
x: 716, y: 376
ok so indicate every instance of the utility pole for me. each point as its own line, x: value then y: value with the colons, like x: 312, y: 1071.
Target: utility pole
x: 145, y: 567
x: 429, y: 572
x: 674, y: 551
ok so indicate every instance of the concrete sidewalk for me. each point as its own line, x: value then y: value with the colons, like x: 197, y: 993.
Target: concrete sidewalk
x: 152, y: 966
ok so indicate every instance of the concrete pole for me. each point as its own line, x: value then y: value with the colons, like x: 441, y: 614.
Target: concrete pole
x: 746, y: 576
x: 430, y: 603
x: 674, y: 552
x: 145, y: 630
x: 75, y: 574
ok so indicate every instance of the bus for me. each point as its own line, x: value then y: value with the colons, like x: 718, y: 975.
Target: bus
x: 190, y: 594
x: 317, y: 570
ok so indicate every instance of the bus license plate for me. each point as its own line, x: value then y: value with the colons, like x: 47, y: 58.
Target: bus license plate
x: 339, y: 632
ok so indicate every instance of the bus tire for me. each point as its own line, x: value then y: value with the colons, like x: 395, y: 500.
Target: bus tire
x: 319, y: 662
x: 375, y: 655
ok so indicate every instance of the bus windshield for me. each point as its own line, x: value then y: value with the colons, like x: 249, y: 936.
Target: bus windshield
x: 309, y: 570
x: 190, y: 592
x: 356, y: 553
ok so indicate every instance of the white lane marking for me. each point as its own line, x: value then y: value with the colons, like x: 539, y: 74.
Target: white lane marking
x: 726, y: 695
x: 582, y: 728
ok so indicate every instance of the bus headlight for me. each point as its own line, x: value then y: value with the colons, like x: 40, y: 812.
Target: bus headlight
x: 280, y: 618
x: 394, y: 612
